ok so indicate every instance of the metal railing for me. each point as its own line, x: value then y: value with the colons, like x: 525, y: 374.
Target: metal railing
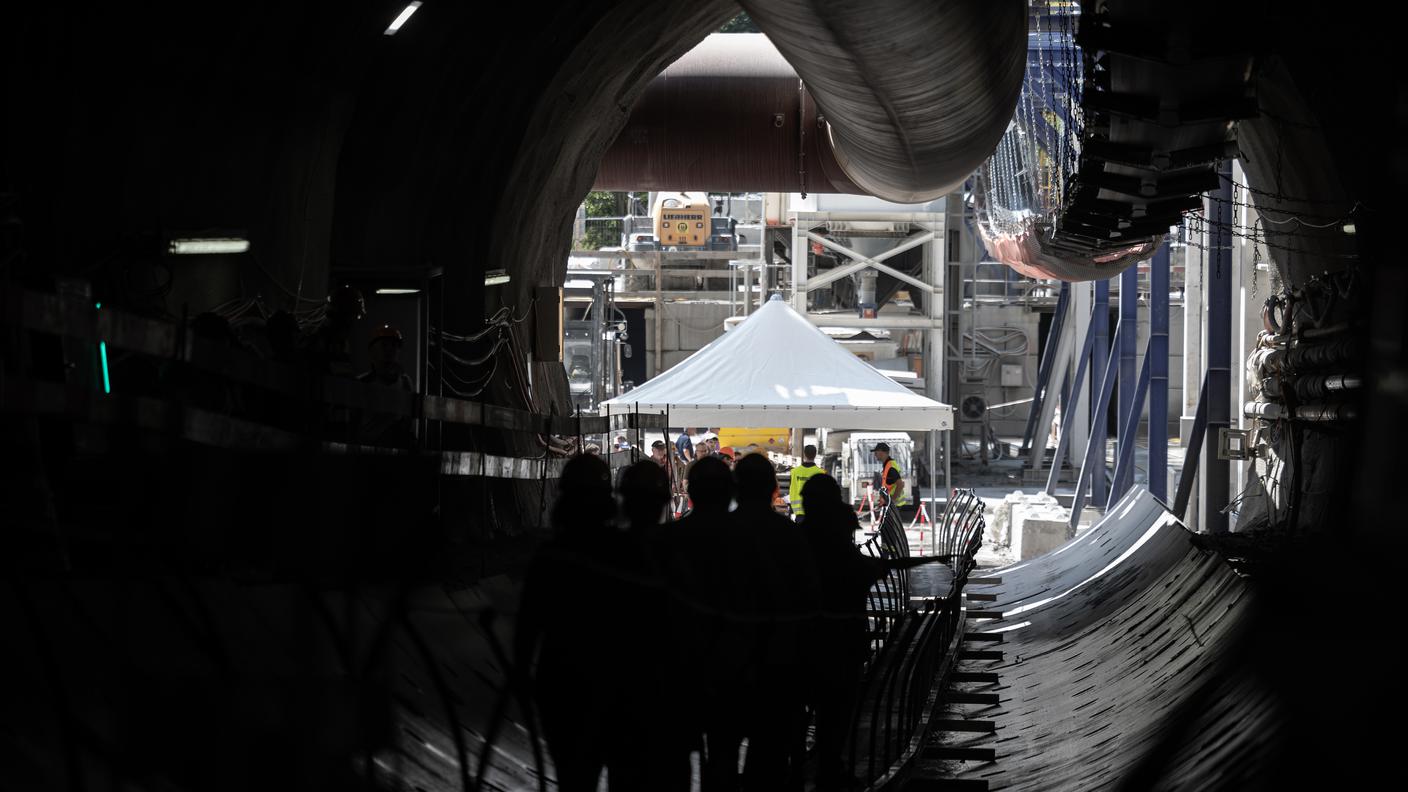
x: 912, y: 646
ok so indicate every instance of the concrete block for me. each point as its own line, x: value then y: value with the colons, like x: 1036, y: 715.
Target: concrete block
x: 1041, y: 536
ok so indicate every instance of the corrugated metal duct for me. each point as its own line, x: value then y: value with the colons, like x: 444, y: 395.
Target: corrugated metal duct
x: 900, y: 100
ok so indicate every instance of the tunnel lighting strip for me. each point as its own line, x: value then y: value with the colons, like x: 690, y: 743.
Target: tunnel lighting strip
x: 103, y: 356
x: 401, y: 18
x: 185, y: 247
x: 398, y: 291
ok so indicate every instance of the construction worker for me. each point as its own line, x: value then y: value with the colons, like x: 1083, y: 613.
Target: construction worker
x: 890, y: 479
x: 799, y: 477
x: 383, y: 428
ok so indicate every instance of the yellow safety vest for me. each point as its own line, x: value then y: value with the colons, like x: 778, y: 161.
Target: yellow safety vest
x: 800, y: 474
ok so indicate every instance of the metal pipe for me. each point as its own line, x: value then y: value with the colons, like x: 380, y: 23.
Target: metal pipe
x: 1271, y: 411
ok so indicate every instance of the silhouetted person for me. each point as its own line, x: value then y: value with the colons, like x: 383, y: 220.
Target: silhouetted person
x: 281, y: 332
x: 200, y: 385
x: 788, y: 602
x: 840, y: 639
x: 328, y: 349
x: 650, y: 745
x: 386, y: 428
x: 572, y: 596
x: 715, y: 569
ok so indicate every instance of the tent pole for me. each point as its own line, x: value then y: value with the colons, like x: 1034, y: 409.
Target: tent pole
x: 948, y: 468
x: 933, y: 494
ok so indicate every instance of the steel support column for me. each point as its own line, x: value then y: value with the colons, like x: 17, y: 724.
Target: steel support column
x: 1099, y: 354
x: 1071, y: 406
x: 1218, y: 288
x: 1124, y: 464
x: 1127, y: 412
x: 799, y: 265
x: 1094, y: 465
x: 1045, y: 368
x: 1158, y: 373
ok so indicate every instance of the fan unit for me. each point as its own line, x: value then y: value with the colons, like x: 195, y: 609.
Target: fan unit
x: 973, y: 408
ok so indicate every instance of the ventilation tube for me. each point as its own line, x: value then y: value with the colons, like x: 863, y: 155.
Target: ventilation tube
x: 899, y: 100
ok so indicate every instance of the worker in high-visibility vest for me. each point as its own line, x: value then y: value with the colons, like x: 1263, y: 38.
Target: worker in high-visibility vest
x: 800, y: 474
x: 890, y: 478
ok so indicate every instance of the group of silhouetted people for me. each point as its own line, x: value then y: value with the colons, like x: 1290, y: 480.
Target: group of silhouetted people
x: 643, y: 640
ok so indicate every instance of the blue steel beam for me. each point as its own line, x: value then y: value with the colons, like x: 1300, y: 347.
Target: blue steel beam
x: 1218, y: 291
x: 1127, y: 413
x: 1093, y: 465
x: 1070, y: 402
x: 1158, y: 373
x: 1043, y: 370
x: 1189, y: 474
x: 1124, y: 466
x: 1100, y: 325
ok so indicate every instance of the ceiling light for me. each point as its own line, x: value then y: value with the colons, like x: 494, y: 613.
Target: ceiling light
x: 182, y: 247
x: 398, y: 291
x: 496, y: 277
x: 401, y: 18
x: 1349, y: 228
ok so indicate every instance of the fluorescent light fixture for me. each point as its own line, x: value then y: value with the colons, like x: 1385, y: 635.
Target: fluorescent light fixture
x: 398, y: 291
x: 496, y: 277
x: 401, y: 18
x: 103, y: 353
x: 184, y: 247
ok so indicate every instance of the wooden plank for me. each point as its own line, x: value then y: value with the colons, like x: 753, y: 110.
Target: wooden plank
x: 958, y: 725
x: 982, y: 614
x: 986, y: 677
x: 960, y: 754
x: 984, y: 637
x: 979, y: 654
x: 945, y: 785
x: 965, y: 697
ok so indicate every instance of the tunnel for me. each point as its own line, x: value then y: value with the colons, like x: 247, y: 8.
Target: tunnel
x: 212, y: 584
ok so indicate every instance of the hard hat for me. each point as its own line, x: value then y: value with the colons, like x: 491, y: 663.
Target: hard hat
x: 349, y: 299
x: 386, y: 331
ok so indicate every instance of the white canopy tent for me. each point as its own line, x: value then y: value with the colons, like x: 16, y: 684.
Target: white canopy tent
x: 777, y: 369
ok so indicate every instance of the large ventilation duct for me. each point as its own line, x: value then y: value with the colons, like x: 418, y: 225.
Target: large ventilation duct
x: 915, y: 95
x: 898, y: 100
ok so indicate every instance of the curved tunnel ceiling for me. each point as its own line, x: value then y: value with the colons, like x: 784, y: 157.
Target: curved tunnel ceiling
x: 900, y: 101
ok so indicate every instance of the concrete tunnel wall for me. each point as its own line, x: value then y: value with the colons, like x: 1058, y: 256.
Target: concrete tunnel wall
x: 334, y: 147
